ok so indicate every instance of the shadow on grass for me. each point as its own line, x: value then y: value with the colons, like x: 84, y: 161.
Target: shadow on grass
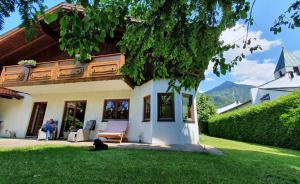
x: 64, y: 164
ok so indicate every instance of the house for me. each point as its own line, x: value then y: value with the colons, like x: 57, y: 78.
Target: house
x: 231, y: 107
x: 73, y: 94
x: 286, y: 79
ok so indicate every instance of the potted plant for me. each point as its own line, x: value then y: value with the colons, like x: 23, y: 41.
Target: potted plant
x: 27, y: 63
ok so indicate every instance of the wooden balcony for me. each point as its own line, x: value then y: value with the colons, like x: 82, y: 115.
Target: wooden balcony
x: 105, y: 67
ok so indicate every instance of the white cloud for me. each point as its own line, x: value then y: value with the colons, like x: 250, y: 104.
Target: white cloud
x: 297, y: 53
x: 236, y: 35
x: 209, y: 69
x: 209, y: 79
x: 252, y: 72
x: 268, y: 60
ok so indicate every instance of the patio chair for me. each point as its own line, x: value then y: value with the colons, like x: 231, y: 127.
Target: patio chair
x: 114, y: 130
x: 83, y: 134
x: 42, y: 135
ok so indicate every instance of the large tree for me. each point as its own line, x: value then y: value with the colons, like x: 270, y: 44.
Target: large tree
x: 178, y: 38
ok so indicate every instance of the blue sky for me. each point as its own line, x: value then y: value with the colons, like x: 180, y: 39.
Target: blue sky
x: 256, y: 68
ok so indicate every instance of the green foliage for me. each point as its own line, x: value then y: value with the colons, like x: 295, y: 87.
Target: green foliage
x: 27, y: 62
x: 29, y: 10
x: 178, y: 38
x: 275, y: 123
x: 82, y: 31
x: 205, y: 110
x: 290, y: 18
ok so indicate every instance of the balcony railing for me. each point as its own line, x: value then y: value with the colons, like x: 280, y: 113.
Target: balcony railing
x: 103, y: 67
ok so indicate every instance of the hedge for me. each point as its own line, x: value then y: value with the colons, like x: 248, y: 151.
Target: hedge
x: 274, y: 123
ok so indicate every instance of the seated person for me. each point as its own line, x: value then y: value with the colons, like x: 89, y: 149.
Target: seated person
x: 48, y: 128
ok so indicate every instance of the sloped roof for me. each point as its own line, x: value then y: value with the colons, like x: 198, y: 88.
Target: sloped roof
x: 286, y: 59
x: 14, y: 47
x: 282, y: 82
x: 7, y: 93
x: 232, y: 106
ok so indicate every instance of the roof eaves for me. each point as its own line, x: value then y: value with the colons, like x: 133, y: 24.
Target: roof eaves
x: 12, y: 32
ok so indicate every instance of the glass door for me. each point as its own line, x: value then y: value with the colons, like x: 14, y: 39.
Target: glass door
x: 73, y: 118
x: 36, y: 119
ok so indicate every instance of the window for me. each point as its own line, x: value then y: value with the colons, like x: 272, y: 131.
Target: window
x: 296, y: 70
x: 116, y: 109
x: 291, y: 75
x: 281, y: 74
x: 73, y: 118
x: 165, y: 102
x: 265, y: 97
x: 147, y: 108
x: 187, y: 108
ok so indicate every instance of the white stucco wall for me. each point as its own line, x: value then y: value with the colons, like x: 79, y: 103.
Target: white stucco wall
x: 261, y: 92
x: 276, y: 88
x: 16, y: 113
x: 176, y: 132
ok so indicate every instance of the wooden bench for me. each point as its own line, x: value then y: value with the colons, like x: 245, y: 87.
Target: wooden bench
x: 114, y: 130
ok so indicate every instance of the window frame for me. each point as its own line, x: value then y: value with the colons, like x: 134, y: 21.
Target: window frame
x: 159, y: 119
x: 148, y: 97
x: 119, y: 99
x: 191, y: 109
x: 296, y: 70
x: 265, y: 97
x: 62, y: 126
x: 281, y: 74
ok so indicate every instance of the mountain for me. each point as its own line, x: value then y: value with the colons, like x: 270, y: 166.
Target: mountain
x: 227, y: 92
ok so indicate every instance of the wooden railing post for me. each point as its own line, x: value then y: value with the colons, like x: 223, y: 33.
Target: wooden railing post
x: 56, y: 71
x: 2, y: 74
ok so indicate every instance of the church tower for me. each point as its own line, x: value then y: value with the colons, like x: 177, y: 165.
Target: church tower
x: 287, y: 63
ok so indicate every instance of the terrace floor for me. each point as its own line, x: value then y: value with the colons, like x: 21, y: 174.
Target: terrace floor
x: 15, y: 143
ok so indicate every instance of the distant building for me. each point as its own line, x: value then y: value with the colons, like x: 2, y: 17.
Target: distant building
x: 287, y: 79
x: 233, y: 106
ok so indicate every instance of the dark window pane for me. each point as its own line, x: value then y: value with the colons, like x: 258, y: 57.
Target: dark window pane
x: 109, y: 110
x: 73, y: 116
x: 116, y: 109
x: 122, y: 109
x: 165, y: 107
x: 187, y: 107
x: 147, y: 107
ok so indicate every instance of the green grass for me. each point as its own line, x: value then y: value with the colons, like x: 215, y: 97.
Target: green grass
x: 241, y: 163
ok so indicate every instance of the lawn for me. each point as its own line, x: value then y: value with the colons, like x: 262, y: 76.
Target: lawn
x: 241, y: 163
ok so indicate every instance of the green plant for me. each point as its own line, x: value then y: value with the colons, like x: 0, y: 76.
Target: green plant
x: 27, y: 62
x: 205, y: 110
x: 275, y: 123
x: 161, y: 34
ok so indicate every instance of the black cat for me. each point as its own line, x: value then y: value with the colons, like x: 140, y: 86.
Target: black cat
x: 99, y: 145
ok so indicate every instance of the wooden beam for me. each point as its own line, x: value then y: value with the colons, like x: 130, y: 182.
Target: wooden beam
x: 49, y: 31
x: 22, y: 47
x: 40, y: 49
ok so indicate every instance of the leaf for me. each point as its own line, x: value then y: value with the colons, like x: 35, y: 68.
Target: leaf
x: 49, y: 18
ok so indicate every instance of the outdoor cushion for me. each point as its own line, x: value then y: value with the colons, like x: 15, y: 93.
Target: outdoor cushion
x: 116, y: 126
x: 90, y: 125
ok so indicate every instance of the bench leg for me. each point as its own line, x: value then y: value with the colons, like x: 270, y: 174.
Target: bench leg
x: 121, y: 138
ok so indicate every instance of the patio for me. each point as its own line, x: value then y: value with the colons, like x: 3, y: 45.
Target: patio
x: 15, y: 143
